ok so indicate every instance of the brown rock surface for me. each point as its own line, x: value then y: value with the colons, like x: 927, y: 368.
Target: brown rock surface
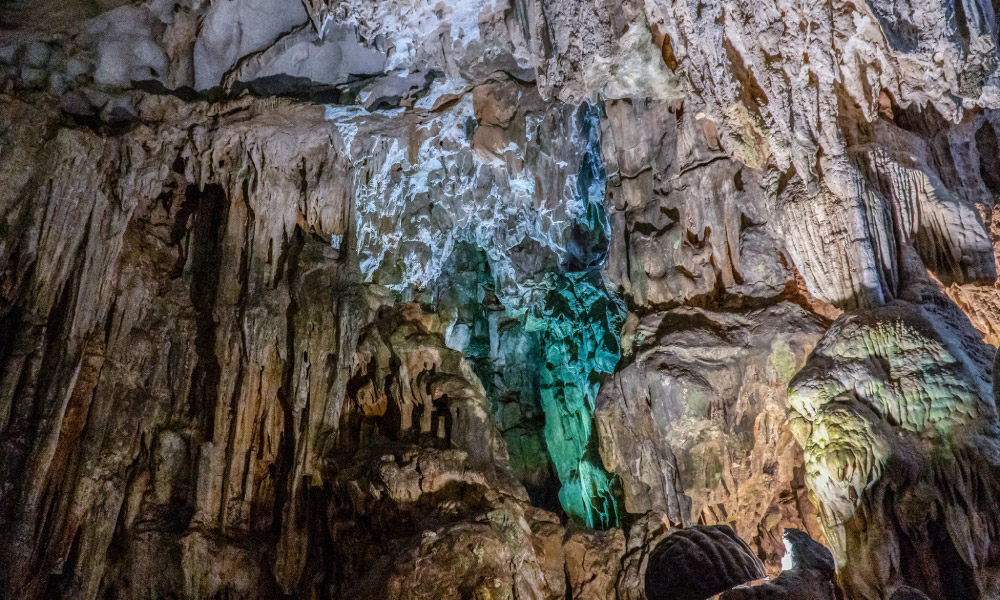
x: 693, y: 422
x: 592, y: 563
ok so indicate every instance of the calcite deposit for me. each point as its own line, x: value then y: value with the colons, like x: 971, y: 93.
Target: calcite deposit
x: 499, y: 299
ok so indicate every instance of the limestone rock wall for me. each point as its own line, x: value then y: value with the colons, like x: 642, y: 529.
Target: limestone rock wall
x: 487, y: 299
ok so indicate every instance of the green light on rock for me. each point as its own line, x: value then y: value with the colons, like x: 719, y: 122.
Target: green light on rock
x: 580, y: 348
x: 542, y: 365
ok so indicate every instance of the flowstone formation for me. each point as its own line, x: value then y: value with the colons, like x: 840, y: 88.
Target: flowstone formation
x: 498, y: 299
x: 899, y: 427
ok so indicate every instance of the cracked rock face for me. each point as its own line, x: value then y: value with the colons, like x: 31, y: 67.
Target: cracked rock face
x: 499, y: 299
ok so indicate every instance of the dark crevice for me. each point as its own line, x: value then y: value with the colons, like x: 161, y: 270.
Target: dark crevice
x: 57, y: 583
x: 209, y: 216
x: 962, y: 25
x: 989, y: 157
x: 286, y: 446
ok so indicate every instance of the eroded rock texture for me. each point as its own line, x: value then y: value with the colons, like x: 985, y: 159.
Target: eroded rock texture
x: 498, y: 299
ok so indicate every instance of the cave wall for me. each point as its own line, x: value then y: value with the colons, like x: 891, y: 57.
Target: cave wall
x: 343, y: 299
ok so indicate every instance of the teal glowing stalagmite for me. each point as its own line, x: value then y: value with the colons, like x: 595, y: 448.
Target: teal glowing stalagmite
x: 579, y: 327
x: 579, y: 337
x: 506, y: 357
x: 542, y: 366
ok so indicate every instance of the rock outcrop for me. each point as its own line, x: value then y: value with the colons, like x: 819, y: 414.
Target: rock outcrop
x: 693, y: 421
x: 899, y: 427
x: 809, y: 574
x: 699, y: 562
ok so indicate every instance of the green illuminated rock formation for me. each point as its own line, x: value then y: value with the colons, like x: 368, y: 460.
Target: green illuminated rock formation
x: 579, y: 326
x: 898, y: 421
